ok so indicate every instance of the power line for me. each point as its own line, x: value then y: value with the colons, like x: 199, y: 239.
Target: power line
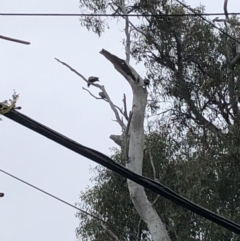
x: 193, y: 14
x: 65, y: 202
x: 112, y: 15
x: 208, y: 21
x: 107, y: 162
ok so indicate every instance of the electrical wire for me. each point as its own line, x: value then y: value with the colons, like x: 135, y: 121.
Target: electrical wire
x: 208, y: 21
x: 107, y: 162
x: 111, y: 15
x: 194, y: 14
x: 65, y: 202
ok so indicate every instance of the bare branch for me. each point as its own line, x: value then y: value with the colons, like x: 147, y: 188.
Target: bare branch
x: 14, y: 40
x: 110, y: 232
x: 152, y: 164
x: 117, y: 139
x: 126, y: 136
x: 235, y: 60
x: 225, y: 9
x: 97, y: 98
x: 122, y: 8
x: 139, y: 229
x: 72, y: 69
x: 113, y: 107
x: 217, y: 19
x: 102, y: 88
x: 124, y: 68
x: 127, y: 32
x: 138, y: 30
x: 105, y: 99
x: 155, y: 200
x: 129, y: 122
x: 125, y: 106
x: 151, y: 158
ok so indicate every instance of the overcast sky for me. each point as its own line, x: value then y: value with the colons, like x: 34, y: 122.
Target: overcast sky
x: 53, y: 95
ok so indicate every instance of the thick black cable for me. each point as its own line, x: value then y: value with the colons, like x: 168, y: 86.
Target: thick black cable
x: 208, y: 21
x: 111, y: 14
x: 107, y: 162
x: 65, y: 202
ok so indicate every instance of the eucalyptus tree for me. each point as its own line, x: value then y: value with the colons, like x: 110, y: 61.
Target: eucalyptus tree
x: 196, y: 68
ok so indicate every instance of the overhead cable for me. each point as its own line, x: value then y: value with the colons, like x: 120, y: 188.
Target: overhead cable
x: 107, y: 162
x: 195, y: 14
x: 61, y: 200
x: 208, y: 21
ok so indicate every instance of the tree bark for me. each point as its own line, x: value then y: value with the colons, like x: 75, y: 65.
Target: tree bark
x: 136, y: 145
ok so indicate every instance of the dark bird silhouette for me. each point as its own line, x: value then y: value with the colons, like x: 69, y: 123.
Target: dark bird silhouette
x: 146, y: 81
x: 92, y: 79
x: 102, y: 95
x: 1, y: 194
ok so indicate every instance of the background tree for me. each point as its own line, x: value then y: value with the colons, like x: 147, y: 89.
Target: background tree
x: 196, y: 68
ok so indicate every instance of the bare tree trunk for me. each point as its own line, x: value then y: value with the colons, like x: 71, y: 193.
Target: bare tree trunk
x: 135, y: 163
x: 134, y: 132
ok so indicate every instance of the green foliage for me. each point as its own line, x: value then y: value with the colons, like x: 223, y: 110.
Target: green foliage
x: 195, y: 148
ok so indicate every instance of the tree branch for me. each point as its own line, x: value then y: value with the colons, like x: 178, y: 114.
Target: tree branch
x: 185, y: 94
x: 139, y: 230
x: 100, y: 98
x: 110, y: 232
x: 14, y: 40
x: 136, y: 145
x: 126, y: 136
x: 125, y: 107
x: 149, y: 146
x: 129, y: 73
x: 117, y: 139
x: 97, y: 98
x: 225, y: 9
x: 102, y: 88
x: 127, y: 32
x: 155, y: 200
x: 153, y: 166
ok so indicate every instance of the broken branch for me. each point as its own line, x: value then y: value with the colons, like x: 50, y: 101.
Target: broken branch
x: 14, y: 40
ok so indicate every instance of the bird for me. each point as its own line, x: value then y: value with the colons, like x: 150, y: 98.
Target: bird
x: 146, y: 81
x: 102, y: 95
x: 92, y: 79
x: 1, y: 194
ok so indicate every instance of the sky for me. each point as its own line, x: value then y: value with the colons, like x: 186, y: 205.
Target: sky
x: 52, y: 95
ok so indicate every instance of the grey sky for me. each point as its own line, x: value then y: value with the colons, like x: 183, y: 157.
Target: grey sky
x: 53, y: 95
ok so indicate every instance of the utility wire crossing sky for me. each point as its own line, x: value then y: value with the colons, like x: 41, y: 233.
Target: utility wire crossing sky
x: 110, y: 15
x: 107, y: 162
x: 61, y: 200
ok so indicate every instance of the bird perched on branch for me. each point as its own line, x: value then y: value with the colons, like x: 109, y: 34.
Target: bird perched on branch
x: 102, y: 95
x: 146, y: 81
x: 92, y: 79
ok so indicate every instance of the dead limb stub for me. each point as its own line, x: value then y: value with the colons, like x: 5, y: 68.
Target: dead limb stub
x: 124, y: 68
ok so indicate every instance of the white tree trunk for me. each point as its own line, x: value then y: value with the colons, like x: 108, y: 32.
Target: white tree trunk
x: 136, y: 144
